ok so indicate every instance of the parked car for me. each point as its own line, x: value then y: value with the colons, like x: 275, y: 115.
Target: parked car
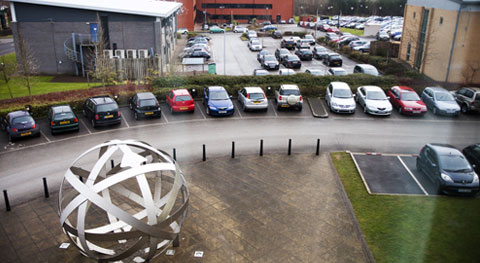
x: 468, y: 99
x: 270, y: 62
x: 303, y: 44
x: 291, y: 61
x: 339, y: 98
x: 102, y: 110
x: 280, y: 53
x: 373, y: 100
x: 182, y: 31
x: 277, y: 34
x: 337, y: 72
x: 260, y: 72
x: 288, y: 96
x: 197, y: 53
x: 261, y: 54
x: 251, y: 34
x: 357, y: 43
x: 62, y: 119
x: 331, y: 36
x: 288, y: 43
x: 216, y: 29
x: 180, y: 100
x: 448, y: 169
x: 252, y: 98
x: 217, y: 102
x: 310, y: 39
x: 304, y: 54
x: 406, y: 100
x: 145, y: 105
x: 286, y: 71
x: 291, y: 21
x: 254, y: 45
x: 347, y: 40
x: 283, y: 21
x: 383, y: 36
x: 366, y: 69
x: 333, y: 59
x: 472, y: 153
x: 20, y: 124
x: 240, y: 29
x: 315, y: 72
x: 320, y: 52
x: 201, y: 46
x: 440, y: 101
x: 364, y: 49
x: 268, y: 28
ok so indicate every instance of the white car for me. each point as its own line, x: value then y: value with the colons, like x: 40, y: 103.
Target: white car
x: 240, y: 29
x: 337, y: 72
x: 373, y: 100
x: 252, y: 34
x: 182, y: 31
x: 315, y: 72
x: 339, y: 98
x: 196, y: 46
x: 286, y: 71
x: 252, y: 98
x: 260, y: 72
x: 310, y: 39
x: 254, y: 45
x: 366, y: 69
x: 288, y: 96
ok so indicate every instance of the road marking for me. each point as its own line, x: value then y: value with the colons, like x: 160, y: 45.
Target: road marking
x: 323, y: 107
x: 239, y: 111
x: 413, y: 176
x: 165, y: 117
x: 360, y: 172
x: 45, y: 136
x: 88, y: 130
x: 200, y: 109
x: 124, y: 120
x: 274, y: 111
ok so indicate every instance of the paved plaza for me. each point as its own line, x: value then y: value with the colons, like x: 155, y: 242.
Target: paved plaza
x: 275, y: 208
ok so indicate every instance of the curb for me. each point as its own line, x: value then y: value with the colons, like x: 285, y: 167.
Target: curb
x: 315, y: 114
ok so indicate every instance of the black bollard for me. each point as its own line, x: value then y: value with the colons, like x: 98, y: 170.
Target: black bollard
x: 204, y: 154
x: 176, y: 242
x: 289, y: 146
x: 174, y: 154
x: 112, y: 163
x: 233, y: 150
x: 45, y: 187
x: 261, y: 147
x: 7, y: 203
x: 318, y: 147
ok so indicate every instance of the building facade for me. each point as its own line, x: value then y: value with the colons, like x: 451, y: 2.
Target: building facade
x: 441, y: 39
x: 59, y: 33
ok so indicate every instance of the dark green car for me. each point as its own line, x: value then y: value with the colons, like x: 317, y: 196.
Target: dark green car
x: 62, y: 119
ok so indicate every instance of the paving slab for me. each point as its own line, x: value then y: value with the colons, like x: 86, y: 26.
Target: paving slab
x: 318, y: 107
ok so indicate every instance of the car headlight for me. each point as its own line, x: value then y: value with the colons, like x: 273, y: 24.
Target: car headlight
x: 231, y: 107
x: 371, y: 108
x: 475, y: 178
x: 334, y: 104
x: 409, y: 108
x: 446, y: 178
x: 212, y: 108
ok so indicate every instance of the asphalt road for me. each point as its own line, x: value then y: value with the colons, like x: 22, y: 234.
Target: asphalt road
x: 6, y: 46
x: 49, y: 156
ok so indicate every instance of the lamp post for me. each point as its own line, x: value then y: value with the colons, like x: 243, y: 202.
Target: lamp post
x: 224, y: 48
x: 379, y: 12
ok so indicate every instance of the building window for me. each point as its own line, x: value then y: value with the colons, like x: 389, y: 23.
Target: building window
x: 414, y: 14
x: 409, y: 47
x: 441, y: 20
x: 242, y: 6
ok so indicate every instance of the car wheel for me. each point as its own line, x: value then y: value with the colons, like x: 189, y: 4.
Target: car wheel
x: 400, y: 110
x: 171, y: 110
x: 136, y: 116
x: 10, y: 138
x: 244, y: 107
x: 434, y: 110
x: 130, y: 106
x: 84, y: 113
x: 208, y: 111
x: 419, y: 167
x: 93, y: 123
x: 464, y: 108
x: 365, y: 109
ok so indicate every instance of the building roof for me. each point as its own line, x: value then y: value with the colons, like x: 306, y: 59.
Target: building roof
x: 137, y: 7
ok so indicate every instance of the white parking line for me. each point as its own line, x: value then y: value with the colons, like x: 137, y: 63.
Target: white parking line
x: 360, y: 172
x: 274, y: 111
x: 199, y: 108
x: 163, y: 115
x: 413, y: 176
x: 88, y: 130
x: 45, y: 136
x: 121, y: 115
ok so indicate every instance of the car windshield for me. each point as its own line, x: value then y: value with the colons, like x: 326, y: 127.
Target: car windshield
x: 22, y: 120
x: 321, y: 49
x: 292, y: 58
x: 371, y: 71
x: 256, y: 96
x: 376, y: 95
x: 410, y: 96
x: 342, y: 93
x: 255, y: 42
x: 63, y: 115
x: 335, y: 57
x: 284, y: 52
x: 107, y: 107
x: 316, y: 72
x: 148, y: 102
x: 182, y: 98
x: 443, y: 96
x: 218, y: 95
x: 290, y: 92
x: 339, y: 72
x: 477, y: 98
x: 270, y: 58
x: 308, y: 37
x: 454, y: 163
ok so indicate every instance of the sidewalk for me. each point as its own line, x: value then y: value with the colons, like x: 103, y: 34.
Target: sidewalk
x: 275, y: 208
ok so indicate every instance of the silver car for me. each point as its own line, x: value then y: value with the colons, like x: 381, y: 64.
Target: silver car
x: 440, y: 101
x: 468, y: 99
x: 339, y: 98
x: 252, y: 98
x: 373, y: 100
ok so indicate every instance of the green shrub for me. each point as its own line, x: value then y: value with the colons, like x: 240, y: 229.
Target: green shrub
x: 191, y: 34
x: 346, y: 50
x: 287, y: 33
x: 321, y: 40
x: 299, y: 34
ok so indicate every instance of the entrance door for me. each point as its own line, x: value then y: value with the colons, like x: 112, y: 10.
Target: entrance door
x: 279, y: 17
x: 94, y: 32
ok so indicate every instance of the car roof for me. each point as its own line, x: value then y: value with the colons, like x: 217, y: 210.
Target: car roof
x: 444, y: 149
x: 372, y: 88
x: 253, y: 89
x: 333, y: 54
x: 102, y: 99
x: 366, y: 66
x: 475, y: 89
x: 337, y: 69
x: 145, y: 95
x: 180, y: 92
x: 314, y: 69
x: 216, y: 88
x: 339, y: 85
x: 18, y: 113
x: 61, y: 108
x: 437, y: 89
x: 403, y: 88
x: 290, y: 86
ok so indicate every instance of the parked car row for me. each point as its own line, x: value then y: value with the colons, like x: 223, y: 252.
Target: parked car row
x: 197, y: 47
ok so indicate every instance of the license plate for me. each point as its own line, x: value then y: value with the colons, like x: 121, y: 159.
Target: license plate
x: 222, y: 111
x: 416, y: 112
x: 108, y: 116
x: 184, y: 108
x: 284, y: 105
x: 256, y: 102
x: 464, y: 190
x: 148, y: 113
x: 25, y: 133
x: 64, y: 122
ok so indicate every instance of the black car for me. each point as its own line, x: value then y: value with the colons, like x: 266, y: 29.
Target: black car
x: 145, y: 105
x: 320, y: 52
x: 304, y: 54
x: 19, y: 124
x: 280, y: 53
x: 472, y: 153
x: 62, y: 119
x: 277, y: 34
x: 270, y: 62
x: 102, y: 110
x: 261, y: 54
x: 448, y: 169
x: 292, y: 61
x: 198, y: 53
x: 347, y: 40
x: 288, y: 44
x: 333, y: 59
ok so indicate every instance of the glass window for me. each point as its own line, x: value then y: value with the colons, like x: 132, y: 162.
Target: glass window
x: 22, y: 120
x: 342, y: 93
x: 256, y: 96
x: 183, y: 98
x: 289, y: 92
x: 63, y: 116
x: 107, y: 107
x: 443, y: 96
x: 410, y: 96
x: 218, y: 95
x: 376, y: 95
x: 149, y: 102
x: 454, y: 163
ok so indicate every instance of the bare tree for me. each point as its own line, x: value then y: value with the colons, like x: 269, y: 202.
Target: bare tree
x: 103, y: 69
x: 27, y: 61
x: 470, y: 71
x: 8, y: 68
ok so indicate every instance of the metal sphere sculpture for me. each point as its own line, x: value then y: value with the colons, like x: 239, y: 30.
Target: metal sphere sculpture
x: 129, y: 211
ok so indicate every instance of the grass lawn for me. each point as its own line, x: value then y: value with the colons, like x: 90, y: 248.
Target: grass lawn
x: 352, y: 31
x: 40, y: 85
x: 7, y: 36
x: 413, y: 228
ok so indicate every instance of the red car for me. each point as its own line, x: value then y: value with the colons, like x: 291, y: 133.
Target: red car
x: 406, y: 100
x: 180, y: 100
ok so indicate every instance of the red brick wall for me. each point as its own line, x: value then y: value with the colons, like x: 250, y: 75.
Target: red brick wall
x: 187, y: 17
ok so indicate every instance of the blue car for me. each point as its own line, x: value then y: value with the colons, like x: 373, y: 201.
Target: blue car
x: 217, y: 102
x: 440, y: 101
